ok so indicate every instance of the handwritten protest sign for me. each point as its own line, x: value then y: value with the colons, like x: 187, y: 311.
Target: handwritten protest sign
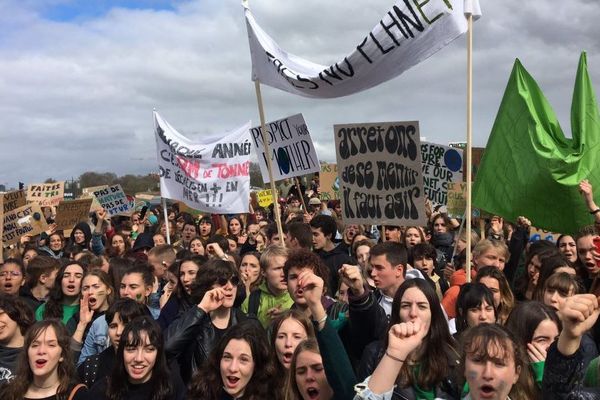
x: 441, y: 165
x: 265, y: 199
x: 329, y: 184
x: 379, y: 169
x: 457, y: 199
x: 210, y: 176
x: 26, y: 220
x: 12, y: 200
x: 46, y: 194
x: 70, y: 213
x: 291, y: 149
x: 113, y: 200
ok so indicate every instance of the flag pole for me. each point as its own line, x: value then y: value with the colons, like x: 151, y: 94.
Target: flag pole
x: 164, y: 204
x: 469, y: 137
x: 263, y: 130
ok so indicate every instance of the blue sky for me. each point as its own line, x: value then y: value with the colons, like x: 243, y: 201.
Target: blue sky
x: 78, y: 10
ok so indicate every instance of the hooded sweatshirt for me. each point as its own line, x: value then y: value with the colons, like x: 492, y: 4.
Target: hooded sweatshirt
x: 87, y: 231
x: 268, y: 301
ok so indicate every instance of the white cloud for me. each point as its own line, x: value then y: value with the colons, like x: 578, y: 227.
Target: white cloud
x: 77, y: 96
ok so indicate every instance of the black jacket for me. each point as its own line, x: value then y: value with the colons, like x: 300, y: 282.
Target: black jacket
x: 563, y: 377
x: 334, y: 260
x: 192, y: 336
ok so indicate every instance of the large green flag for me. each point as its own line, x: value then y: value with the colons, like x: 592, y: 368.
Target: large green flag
x: 529, y: 167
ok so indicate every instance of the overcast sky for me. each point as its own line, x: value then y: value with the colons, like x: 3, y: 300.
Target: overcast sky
x: 79, y: 78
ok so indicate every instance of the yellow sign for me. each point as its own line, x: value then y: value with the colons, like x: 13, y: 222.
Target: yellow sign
x: 265, y: 199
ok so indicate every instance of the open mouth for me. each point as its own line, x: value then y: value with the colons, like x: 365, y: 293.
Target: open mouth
x: 71, y: 288
x: 92, y: 302
x: 232, y: 381
x: 287, y: 357
x: 312, y: 392
x: 8, y: 286
x: 40, y: 363
x: 487, y: 391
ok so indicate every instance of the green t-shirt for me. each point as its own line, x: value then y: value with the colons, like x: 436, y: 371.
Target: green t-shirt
x: 421, y: 394
x: 68, y: 312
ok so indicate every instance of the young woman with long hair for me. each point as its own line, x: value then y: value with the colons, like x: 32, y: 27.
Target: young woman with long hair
x: 239, y: 367
x: 428, y: 367
x: 45, y: 367
x: 63, y: 301
x: 140, y: 371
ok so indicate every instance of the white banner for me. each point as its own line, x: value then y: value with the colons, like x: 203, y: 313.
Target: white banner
x: 291, y: 148
x: 441, y: 165
x: 210, y: 176
x: 409, y: 33
x: 379, y: 170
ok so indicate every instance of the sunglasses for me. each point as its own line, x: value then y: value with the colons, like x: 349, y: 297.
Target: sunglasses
x: 234, y: 279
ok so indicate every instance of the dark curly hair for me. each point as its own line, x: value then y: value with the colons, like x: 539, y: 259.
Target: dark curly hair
x: 303, y: 258
x: 207, y: 384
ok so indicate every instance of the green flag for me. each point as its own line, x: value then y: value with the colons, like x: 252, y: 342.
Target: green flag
x: 529, y: 167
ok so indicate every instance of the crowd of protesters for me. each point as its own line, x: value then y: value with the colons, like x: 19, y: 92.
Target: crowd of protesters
x: 232, y: 310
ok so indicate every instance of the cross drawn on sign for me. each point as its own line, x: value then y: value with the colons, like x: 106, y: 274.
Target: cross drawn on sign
x: 215, y: 188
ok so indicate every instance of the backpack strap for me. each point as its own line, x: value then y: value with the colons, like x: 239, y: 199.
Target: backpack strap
x: 75, y: 390
x: 254, y: 303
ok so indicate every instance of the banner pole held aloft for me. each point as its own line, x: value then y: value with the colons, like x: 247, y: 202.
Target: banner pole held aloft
x: 263, y: 129
x: 164, y: 204
x: 469, y: 212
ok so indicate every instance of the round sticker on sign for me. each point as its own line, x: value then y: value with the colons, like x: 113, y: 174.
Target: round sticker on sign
x: 453, y: 160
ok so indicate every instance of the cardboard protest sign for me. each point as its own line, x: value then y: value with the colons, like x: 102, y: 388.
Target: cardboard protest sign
x: 536, y: 234
x: 408, y: 33
x: 12, y: 200
x: 88, y: 192
x: 457, y: 199
x: 26, y: 220
x: 46, y: 194
x: 212, y: 175
x: 441, y: 165
x: 113, y: 200
x: 379, y: 169
x: 329, y: 184
x: 265, y: 198
x: 291, y: 149
x: 70, y: 213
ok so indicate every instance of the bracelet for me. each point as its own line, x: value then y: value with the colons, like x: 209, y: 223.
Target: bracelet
x: 596, y: 211
x: 319, y: 322
x: 394, y: 358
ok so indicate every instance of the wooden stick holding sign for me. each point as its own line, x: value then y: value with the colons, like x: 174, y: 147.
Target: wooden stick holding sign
x: 263, y: 126
x: 300, y: 193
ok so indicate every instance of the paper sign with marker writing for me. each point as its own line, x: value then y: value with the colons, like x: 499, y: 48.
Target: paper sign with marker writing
x: 441, y: 165
x: 329, y: 184
x: 46, y: 194
x: 291, y: 149
x: 113, y: 200
x: 379, y: 170
x: 265, y: 198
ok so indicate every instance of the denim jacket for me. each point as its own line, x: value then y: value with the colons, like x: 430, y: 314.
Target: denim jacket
x: 96, y: 340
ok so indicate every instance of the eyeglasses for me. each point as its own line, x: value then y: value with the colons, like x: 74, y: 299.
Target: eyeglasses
x: 234, y: 279
x: 14, y: 274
